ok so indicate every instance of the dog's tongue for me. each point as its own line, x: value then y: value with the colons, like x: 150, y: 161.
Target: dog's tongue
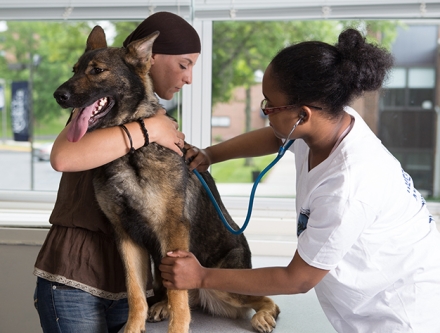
x: 80, y: 123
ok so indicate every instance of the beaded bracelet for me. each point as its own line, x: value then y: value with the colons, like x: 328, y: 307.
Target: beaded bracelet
x: 132, y: 150
x: 144, y: 132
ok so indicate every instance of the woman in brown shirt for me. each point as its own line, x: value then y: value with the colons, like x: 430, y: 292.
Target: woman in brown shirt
x: 80, y: 275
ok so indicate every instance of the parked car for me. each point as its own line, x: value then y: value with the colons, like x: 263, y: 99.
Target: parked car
x: 42, y: 151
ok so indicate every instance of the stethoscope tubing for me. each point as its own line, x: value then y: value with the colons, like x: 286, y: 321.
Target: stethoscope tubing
x: 281, y: 152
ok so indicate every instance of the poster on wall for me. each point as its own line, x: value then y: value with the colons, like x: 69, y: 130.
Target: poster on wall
x: 20, y: 110
x: 2, y: 97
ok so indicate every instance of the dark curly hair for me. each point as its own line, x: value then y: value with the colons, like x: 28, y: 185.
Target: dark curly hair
x: 331, y: 76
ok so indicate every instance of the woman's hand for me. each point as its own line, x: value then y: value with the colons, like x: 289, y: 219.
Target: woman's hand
x: 164, y: 131
x: 181, y: 270
x: 197, y: 158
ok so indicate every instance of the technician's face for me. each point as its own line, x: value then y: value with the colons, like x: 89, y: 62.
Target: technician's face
x: 170, y: 72
x: 283, y: 121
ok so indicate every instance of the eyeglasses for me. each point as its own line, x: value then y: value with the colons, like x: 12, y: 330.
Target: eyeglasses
x: 267, y: 111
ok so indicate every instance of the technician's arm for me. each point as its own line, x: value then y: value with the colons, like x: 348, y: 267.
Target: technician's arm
x: 105, y: 145
x: 181, y: 270
x: 255, y: 143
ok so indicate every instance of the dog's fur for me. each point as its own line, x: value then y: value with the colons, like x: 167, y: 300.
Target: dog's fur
x: 154, y: 202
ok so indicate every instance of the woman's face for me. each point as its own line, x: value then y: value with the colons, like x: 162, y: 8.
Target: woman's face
x: 170, y: 72
x: 283, y: 121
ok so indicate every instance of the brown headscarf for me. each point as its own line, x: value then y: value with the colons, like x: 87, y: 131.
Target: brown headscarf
x: 176, y: 36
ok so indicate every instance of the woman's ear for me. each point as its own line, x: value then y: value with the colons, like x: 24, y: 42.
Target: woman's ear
x: 304, y: 114
x: 152, y: 59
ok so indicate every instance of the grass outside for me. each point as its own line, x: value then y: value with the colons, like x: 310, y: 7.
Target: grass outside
x: 235, y: 171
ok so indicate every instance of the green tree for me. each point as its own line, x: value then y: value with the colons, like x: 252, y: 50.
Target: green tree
x: 60, y: 45
x: 242, y: 48
x: 56, y: 46
x: 123, y: 29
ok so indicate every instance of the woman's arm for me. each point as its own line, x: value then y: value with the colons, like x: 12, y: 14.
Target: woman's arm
x: 251, y: 144
x: 105, y: 145
x: 181, y: 270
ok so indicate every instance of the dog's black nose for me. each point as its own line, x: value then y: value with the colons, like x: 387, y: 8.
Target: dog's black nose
x: 61, y: 96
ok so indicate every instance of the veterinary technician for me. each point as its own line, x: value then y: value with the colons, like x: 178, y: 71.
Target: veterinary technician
x: 366, y: 241
x: 81, y: 282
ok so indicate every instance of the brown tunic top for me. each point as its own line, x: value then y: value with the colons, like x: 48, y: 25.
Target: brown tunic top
x: 80, y: 249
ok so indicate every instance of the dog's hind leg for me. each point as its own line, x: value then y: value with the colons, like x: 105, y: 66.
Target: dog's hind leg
x: 235, y: 306
x: 136, y: 261
x: 264, y: 320
x: 159, y: 311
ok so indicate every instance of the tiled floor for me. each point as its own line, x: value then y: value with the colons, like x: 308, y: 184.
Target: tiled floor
x: 299, y: 313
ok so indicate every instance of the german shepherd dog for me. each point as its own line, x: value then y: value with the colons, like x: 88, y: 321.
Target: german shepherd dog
x: 153, y: 201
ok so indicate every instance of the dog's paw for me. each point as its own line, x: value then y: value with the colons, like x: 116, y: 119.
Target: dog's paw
x: 263, y: 322
x: 134, y: 328
x: 159, y: 311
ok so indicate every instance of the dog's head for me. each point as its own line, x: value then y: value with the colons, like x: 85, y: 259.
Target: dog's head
x: 110, y: 86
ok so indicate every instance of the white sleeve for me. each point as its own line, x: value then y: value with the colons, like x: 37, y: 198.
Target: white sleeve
x: 335, y: 224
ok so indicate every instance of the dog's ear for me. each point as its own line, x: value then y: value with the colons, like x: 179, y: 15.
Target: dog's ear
x: 96, y: 39
x: 142, y: 48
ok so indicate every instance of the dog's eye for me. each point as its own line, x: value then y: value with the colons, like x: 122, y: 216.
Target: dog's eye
x: 96, y: 70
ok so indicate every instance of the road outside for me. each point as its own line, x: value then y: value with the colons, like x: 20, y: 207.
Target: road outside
x: 15, y: 172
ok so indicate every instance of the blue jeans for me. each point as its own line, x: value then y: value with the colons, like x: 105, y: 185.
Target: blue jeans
x: 63, y: 309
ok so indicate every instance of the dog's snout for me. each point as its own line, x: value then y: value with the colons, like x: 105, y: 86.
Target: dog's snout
x: 61, y: 96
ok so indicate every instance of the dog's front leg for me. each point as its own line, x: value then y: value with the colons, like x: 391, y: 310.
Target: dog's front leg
x: 136, y: 261
x: 180, y: 315
x: 178, y: 301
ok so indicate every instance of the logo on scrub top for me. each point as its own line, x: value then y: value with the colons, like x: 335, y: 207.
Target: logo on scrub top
x: 303, y: 219
x: 413, y: 191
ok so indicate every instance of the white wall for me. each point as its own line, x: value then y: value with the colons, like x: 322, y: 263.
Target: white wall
x: 18, y: 250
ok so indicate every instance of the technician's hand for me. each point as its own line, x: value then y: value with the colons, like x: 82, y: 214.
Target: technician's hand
x: 164, y: 131
x: 197, y: 158
x: 181, y: 270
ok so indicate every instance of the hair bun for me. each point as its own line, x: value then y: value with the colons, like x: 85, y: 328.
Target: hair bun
x: 363, y: 65
x: 349, y: 42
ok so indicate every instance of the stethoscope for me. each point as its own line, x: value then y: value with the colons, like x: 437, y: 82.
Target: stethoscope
x: 285, y: 146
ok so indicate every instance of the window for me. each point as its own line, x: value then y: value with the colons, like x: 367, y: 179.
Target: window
x: 396, y: 86
x: 421, y: 84
x: 220, y: 121
x: 407, y: 124
x: 411, y: 87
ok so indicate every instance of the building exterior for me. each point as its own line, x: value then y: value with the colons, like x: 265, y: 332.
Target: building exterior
x: 228, y: 119
x: 409, y: 104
